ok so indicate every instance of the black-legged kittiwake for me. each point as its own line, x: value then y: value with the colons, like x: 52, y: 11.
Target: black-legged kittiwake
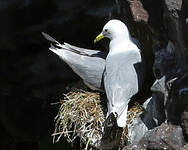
x: 124, y: 69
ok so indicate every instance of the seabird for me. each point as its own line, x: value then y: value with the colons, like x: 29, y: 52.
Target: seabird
x: 121, y: 70
x: 124, y: 69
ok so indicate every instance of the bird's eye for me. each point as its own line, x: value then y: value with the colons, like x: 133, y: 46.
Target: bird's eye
x: 106, y: 30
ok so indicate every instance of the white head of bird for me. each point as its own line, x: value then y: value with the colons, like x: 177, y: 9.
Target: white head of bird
x: 113, y: 29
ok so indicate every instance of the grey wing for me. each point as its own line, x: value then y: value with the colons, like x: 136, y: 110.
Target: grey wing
x: 120, y: 89
x: 88, y: 64
x: 83, y: 51
x: 90, y: 69
x: 75, y: 49
x: 122, y: 80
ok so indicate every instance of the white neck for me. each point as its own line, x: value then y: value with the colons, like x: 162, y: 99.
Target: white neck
x: 121, y: 41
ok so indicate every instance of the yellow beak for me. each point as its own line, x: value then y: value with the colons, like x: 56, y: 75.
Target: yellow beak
x: 99, y: 37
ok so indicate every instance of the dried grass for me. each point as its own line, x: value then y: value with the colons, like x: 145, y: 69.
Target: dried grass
x: 80, y: 115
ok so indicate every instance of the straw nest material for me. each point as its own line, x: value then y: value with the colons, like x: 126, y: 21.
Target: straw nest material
x: 81, y: 115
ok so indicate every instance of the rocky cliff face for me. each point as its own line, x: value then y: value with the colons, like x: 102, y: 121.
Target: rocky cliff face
x: 31, y: 77
x: 167, y: 23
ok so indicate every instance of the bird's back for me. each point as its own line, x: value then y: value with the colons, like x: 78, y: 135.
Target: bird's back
x: 121, y: 79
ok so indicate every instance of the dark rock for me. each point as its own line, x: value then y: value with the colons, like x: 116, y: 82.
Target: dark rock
x: 177, y: 100
x: 185, y: 123
x: 112, y: 133
x: 138, y: 12
x: 136, y: 131
x: 185, y: 147
x: 167, y: 21
x: 174, y: 20
x: 165, y: 136
x: 153, y: 116
x: 165, y: 59
x: 155, y: 20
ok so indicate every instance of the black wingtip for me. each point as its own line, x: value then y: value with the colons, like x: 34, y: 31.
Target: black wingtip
x: 44, y: 34
x: 48, y: 37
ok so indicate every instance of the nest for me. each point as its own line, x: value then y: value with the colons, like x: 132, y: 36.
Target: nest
x: 81, y: 115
